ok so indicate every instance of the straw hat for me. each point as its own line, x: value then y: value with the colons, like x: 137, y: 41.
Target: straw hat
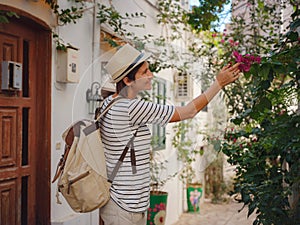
x: 123, y: 61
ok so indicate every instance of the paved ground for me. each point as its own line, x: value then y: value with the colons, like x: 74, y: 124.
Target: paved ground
x: 217, y: 214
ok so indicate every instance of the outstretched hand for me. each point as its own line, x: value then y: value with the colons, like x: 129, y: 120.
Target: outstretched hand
x: 228, y: 74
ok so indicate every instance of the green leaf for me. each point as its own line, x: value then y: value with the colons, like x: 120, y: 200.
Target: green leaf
x: 254, y: 70
x: 264, y: 70
x: 3, y: 19
x: 293, y: 36
x: 295, y: 24
x: 11, y: 14
x: 265, y: 84
x: 237, y: 121
x: 279, y: 68
x: 251, y: 208
x: 245, y: 198
x: 264, y: 103
x: 292, y: 67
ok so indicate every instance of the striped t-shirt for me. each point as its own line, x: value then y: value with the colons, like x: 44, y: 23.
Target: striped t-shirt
x: 131, y: 191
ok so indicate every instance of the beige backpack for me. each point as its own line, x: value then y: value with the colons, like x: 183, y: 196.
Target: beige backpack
x: 81, y: 172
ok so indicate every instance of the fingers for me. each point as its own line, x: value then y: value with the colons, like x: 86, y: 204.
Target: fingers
x: 234, y: 67
x: 232, y: 76
x: 228, y: 74
x: 236, y: 75
x: 231, y: 67
x: 226, y: 67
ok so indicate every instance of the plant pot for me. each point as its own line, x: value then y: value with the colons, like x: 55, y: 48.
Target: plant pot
x: 194, y: 193
x: 158, y: 206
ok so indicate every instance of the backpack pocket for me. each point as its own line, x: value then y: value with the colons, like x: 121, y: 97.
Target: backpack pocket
x: 76, y: 179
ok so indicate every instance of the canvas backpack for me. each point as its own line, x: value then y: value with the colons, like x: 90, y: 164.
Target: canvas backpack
x: 81, y: 171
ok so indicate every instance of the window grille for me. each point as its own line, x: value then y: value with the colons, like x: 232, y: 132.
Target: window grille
x: 183, y: 87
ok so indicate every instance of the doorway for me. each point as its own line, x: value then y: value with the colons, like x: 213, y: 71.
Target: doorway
x: 25, y: 122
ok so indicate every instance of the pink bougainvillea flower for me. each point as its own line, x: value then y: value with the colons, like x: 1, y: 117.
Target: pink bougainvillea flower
x: 222, y: 41
x: 214, y: 35
x: 245, y: 67
x: 258, y: 59
x: 231, y: 42
x: 238, y: 56
x: 246, y: 61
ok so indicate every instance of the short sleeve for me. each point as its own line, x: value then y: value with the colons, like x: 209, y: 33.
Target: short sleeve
x: 144, y: 112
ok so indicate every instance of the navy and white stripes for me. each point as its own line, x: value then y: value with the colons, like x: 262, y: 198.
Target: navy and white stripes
x: 131, y: 191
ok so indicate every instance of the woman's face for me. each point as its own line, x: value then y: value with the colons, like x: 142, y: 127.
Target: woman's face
x: 143, y: 78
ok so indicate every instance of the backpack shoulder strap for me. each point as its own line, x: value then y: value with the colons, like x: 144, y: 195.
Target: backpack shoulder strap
x: 122, y: 157
x: 112, y: 102
x: 95, y: 125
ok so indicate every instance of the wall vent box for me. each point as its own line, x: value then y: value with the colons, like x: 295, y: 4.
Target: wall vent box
x: 67, y: 65
x: 11, y: 76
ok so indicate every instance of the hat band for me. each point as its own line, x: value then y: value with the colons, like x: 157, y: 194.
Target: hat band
x: 130, y: 66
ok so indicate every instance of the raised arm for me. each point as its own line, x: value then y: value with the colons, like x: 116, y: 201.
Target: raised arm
x: 227, y: 75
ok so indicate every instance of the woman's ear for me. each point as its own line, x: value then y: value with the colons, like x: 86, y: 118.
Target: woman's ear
x: 127, y: 81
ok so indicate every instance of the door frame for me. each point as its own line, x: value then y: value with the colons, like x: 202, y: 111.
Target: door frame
x: 43, y: 118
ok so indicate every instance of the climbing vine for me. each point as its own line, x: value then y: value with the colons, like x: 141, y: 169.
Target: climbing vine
x: 5, y: 16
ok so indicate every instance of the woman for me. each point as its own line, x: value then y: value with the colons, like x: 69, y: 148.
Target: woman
x: 129, y: 117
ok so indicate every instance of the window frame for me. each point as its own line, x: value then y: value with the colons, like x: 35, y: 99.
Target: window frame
x: 159, y: 90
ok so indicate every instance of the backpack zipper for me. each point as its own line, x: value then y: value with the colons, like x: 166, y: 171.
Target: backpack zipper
x: 76, y: 179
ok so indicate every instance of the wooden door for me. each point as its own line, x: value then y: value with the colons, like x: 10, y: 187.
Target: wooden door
x: 23, y: 121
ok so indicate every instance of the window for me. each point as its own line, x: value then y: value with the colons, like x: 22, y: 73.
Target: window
x: 183, y: 87
x: 159, y: 97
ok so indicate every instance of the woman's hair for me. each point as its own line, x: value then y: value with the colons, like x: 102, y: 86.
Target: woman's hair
x: 121, y: 86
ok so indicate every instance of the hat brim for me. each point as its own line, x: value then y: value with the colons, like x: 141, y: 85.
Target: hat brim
x: 142, y: 59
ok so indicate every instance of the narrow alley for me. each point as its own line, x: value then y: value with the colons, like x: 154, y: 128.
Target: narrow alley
x: 217, y: 214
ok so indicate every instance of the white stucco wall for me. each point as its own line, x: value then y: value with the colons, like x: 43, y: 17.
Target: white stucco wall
x: 69, y: 103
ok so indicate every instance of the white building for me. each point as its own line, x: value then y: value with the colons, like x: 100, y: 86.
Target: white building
x: 34, y: 115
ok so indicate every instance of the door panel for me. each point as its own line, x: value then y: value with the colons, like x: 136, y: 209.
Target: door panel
x: 24, y: 143
x: 9, y: 47
x: 8, y: 135
x: 7, y: 200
